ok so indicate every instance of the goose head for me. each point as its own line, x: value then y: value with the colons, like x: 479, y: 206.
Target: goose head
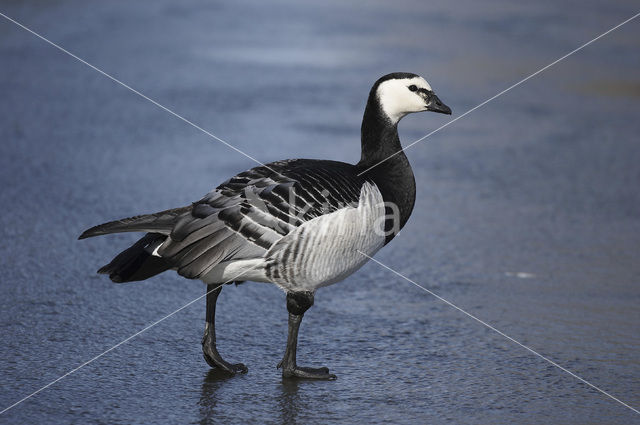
x: 401, y: 93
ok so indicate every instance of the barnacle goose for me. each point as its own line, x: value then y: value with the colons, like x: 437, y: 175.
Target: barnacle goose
x: 297, y: 223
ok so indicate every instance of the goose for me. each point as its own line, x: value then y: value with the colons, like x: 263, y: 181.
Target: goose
x: 300, y: 224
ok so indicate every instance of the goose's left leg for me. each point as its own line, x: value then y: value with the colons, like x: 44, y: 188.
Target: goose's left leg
x: 209, y: 349
x: 297, y: 304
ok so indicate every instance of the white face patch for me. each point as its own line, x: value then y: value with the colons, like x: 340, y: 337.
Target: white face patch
x: 397, y: 100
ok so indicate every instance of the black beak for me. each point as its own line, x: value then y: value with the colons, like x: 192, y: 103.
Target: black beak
x: 435, y: 105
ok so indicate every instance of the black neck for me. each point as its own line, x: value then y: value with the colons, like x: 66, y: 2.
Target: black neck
x: 394, y: 177
x: 378, y: 134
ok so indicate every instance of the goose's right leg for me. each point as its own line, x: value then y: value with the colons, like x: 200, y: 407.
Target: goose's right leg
x: 297, y: 304
x: 209, y: 349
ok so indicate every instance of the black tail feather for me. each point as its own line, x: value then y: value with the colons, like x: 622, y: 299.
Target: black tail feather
x: 136, y: 262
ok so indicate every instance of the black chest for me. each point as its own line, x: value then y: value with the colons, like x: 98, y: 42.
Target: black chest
x: 397, y: 185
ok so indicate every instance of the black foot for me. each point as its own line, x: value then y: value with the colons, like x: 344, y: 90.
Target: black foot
x: 299, y: 372
x: 214, y: 360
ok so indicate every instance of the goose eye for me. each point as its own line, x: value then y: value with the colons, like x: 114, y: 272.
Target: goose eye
x: 413, y: 87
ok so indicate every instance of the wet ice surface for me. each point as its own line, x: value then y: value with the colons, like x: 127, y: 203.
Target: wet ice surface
x: 527, y: 213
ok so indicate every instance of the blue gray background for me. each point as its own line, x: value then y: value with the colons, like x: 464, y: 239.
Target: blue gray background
x: 528, y: 210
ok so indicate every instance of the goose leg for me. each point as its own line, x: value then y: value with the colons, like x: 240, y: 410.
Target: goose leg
x: 209, y: 349
x: 297, y: 304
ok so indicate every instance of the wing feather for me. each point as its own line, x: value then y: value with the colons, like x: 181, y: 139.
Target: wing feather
x: 246, y: 215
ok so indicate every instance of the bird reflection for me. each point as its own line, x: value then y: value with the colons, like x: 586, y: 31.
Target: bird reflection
x: 212, y: 382
x: 290, y: 402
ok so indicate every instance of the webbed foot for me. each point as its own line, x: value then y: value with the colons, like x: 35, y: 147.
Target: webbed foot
x: 299, y: 372
x: 213, y: 358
